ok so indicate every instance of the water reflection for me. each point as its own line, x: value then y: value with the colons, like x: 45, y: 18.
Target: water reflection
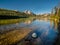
x: 23, y: 23
x: 45, y: 30
x: 46, y: 33
x: 57, y: 42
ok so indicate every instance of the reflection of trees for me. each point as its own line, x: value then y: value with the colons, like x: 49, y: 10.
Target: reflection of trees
x: 59, y: 26
x: 55, y: 22
x: 57, y: 42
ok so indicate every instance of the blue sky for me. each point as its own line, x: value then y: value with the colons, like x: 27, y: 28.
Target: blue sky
x: 36, y: 6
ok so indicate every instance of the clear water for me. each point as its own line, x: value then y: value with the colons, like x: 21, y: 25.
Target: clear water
x: 46, y: 31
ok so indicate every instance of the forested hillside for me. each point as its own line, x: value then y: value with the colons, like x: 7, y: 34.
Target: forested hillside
x: 5, y: 13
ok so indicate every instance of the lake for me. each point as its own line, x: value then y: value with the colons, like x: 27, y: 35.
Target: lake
x: 43, y: 32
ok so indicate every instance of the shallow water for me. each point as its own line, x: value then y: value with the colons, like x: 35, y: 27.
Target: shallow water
x: 46, y: 31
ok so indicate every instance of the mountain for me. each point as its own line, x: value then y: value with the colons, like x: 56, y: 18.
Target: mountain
x: 5, y: 13
x: 28, y: 12
x: 10, y: 14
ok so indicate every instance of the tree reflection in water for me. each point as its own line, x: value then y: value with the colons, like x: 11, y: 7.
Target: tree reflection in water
x: 57, y: 42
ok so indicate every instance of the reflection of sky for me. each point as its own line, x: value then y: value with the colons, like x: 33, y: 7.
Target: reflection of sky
x: 44, y: 32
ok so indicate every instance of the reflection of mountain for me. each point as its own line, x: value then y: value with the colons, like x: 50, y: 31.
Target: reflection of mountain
x: 28, y: 22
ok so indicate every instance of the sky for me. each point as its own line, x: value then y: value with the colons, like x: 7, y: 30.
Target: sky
x: 36, y: 6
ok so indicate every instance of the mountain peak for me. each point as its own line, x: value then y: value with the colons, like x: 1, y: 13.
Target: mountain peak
x: 27, y: 12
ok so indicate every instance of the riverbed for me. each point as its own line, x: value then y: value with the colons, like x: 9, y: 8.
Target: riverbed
x: 21, y: 33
